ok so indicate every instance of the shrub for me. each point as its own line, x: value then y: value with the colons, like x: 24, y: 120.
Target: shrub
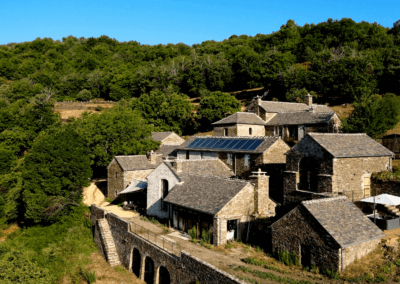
x: 255, y: 261
x: 84, y: 95
x: 315, y: 269
x: 99, y: 108
x: 206, y: 236
x: 332, y: 274
x: 154, y: 220
x: 229, y: 246
x: 288, y: 258
x: 144, y: 218
x: 193, y: 233
x: 109, y: 200
x: 89, y: 276
x: 388, y: 268
x: 258, y: 249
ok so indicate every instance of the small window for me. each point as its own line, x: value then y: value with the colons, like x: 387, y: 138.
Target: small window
x: 116, y: 175
x: 164, y: 193
x: 201, y: 155
x: 246, y: 160
x: 250, y: 131
x: 116, y: 193
x: 225, y: 131
x: 276, y: 130
x: 229, y: 159
x: 187, y: 155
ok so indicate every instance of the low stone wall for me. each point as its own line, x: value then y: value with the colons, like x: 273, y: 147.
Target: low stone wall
x: 183, y: 269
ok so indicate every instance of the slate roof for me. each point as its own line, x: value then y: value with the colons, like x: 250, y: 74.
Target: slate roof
x: 204, y: 193
x: 241, y: 118
x: 265, y: 145
x: 271, y: 106
x: 346, y: 223
x: 303, y: 117
x: 350, y: 145
x: 160, y: 136
x: 210, y: 167
x: 167, y: 150
x: 136, y: 162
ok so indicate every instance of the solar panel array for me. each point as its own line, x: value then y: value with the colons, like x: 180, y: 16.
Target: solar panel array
x: 226, y: 144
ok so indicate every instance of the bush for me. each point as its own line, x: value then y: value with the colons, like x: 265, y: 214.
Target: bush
x: 315, y: 269
x: 333, y: 274
x: 193, y: 233
x: 229, y: 246
x: 84, y: 95
x: 154, y: 220
x: 89, y: 276
x: 206, y: 236
x: 288, y: 258
x: 99, y: 108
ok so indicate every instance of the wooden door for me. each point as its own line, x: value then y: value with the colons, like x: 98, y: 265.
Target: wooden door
x: 367, y: 187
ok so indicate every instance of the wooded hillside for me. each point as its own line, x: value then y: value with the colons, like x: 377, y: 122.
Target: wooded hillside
x: 338, y: 60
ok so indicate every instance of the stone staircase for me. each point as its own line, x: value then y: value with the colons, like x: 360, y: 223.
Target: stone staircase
x: 393, y: 210
x: 108, y: 242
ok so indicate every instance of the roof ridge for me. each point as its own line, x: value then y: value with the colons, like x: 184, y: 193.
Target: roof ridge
x: 292, y: 103
x: 359, y: 134
x: 193, y: 160
x: 129, y: 156
x: 217, y: 177
x: 324, y: 200
x: 236, y: 137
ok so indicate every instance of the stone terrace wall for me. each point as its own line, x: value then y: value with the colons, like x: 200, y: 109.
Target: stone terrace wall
x: 184, y: 269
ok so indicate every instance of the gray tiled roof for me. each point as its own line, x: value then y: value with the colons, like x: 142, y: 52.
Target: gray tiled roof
x: 302, y: 117
x: 159, y: 136
x: 343, y: 220
x: 350, y: 145
x: 241, y: 118
x: 268, y: 142
x: 205, y: 194
x: 209, y: 167
x: 167, y: 150
x: 271, y: 106
x: 136, y: 162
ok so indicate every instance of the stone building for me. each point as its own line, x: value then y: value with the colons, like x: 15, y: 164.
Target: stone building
x: 167, y: 138
x: 292, y: 121
x: 240, y: 154
x: 223, y: 206
x: 122, y: 170
x: 328, y: 233
x: 163, y: 179
x: 240, y: 124
x: 326, y: 164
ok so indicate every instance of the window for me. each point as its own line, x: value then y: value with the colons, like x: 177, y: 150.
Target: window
x: 276, y: 130
x: 246, y: 160
x: 187, y: 155
x: 201, y: 155
x: 116, y: 193
x: 229, y: 159
x: 250, y: 131
x: 225, y: 131
x: 164, y: 193
x: 116, y: 175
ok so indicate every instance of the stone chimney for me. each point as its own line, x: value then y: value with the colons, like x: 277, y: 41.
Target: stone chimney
x: 177, y: 165
x: 152, y: 157
x: 261, y: 192
x: 258, y: 100
x: 308, y: 100
x: 311, y: 108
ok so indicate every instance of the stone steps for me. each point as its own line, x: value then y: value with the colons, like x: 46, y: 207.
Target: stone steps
x: 108, y: 242
x: 393, y: 210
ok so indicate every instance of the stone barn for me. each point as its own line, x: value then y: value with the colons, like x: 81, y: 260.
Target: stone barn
x: 333, y: 164
x: 329, y: 233
x: 240, y: 124
x: 167, y: 138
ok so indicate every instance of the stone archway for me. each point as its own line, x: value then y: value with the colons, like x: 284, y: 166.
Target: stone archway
x: 136, y: 262
x: 149, y: 270
x: 308, y: 168
x: 164, y: 277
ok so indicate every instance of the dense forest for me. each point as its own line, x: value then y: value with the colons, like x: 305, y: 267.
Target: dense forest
x: 44, y: 164
x: 338, y: 60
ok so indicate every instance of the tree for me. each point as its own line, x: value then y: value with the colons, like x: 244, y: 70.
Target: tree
x: 84, y: 95
x: 117, y: 131
x: 374, y: 115
x: 55, y: 171
x: 215, y: 106
x: 299, y: 95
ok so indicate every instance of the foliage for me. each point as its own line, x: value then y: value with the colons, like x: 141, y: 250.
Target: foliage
x: 288, y: 258
x: 84, y: 95
x: 118, y: 131
x: 229, y: 246
x: 64, y: 165
x: 299, y: 95
x: 193, y: 233
x: 367, y: 278
x: 206, y: 236
x: 258, y: 262
x: 387, y: 175
x: 314, y: 269
x: 332, y: 274
x: 215, y: 106
x: 154, y: 220
x: 388, y: 268
x: 89, y: 276
x: 374, y: 115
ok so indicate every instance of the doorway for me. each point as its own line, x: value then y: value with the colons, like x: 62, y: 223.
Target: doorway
x: 305, y: 256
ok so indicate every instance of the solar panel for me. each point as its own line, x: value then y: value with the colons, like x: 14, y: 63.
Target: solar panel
x: 238, y: 145
x: 205, y: 143
x: 247, y: 144
x: 255, y: 144
x: 212, y: 143
x: 226, y: 143
x: 218, y: 144
x: 194, y: 143
x: 231, y: 145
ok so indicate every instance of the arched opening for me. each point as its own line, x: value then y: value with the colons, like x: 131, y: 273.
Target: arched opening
x: 164, y: 277
x: 149, y: 270
x: 136, y: 262
x: 164, y: 193
x: 308, y: 174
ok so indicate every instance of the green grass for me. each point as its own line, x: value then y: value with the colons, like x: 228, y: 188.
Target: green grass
x: 229, y: 246
x: 263, y: 263
x: 250, y: 280
x: 89, y: 276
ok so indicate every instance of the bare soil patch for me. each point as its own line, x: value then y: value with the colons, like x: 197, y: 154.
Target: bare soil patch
x: 11, y: 229
x: 343, y: 111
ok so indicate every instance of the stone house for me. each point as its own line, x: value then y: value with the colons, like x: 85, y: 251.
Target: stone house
x: 329, y: 233
x: 167, y: 138
x: 240, y: 124
x: 240, y: 154
x: 223, y: 206
x: 122, y: 170
x: 169, y: 173
x: 292, y: 121
x: 333, y: 164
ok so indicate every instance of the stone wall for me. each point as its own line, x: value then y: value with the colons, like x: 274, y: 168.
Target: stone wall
x: 275, y: 153
x: 256, y: 130
x: 139, y: 174
x: 114, y: 183
x: 299, y: 228
x: 184, y: 269
x: 173, y: 139
x: 269, y: 131
x: 220, y: 130
x: 350, y: 254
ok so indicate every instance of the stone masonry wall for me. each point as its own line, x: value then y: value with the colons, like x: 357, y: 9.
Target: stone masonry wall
x: 114, y: 184
x: 140, y: 174
x: 276, y: 153
x: 173, y: 139
x: 184, y: 269
x: 350, y: 254
x: 349, y: 173
x: 299, y: 228
x: 220, y: 130
x: 256, y: 130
